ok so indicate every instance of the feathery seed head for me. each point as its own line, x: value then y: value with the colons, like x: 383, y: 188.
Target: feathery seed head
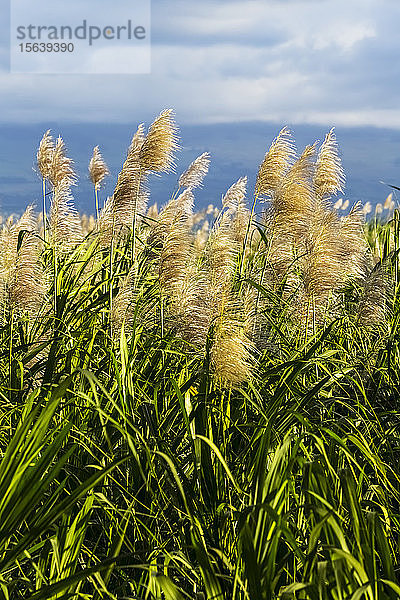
x: 334, y: 251
x: 235, y: 195
x: 302, y: 170
x: 175, y: 214
x: 21, y: 276
x: 221, y: 253
x: 152, y: 212
x: 275, y: 164
x: 329, y: 178
x: 176, y: 210
x: 182, y: 205
x: 160, y: 144
x: 137, y: 140
x: 106, y: 223
x: 176, y: 253
x: 45, y: 154
x: 352, y: 239
x: 98, y: 169
x: 291, y: 210
x: 338, y: 204
x: 27, y: 285
x: 231, y: 352
x: 388, y: 202
x: 235, y: 205
x: 323, y: 263
x: 367, y: 208
x: 130, y: 196
x: 61, y: 167
x: 195, y: 173
x: 231, y: 359
x: 184, y: 202
x: 65, y: 223
x: 345, y: 205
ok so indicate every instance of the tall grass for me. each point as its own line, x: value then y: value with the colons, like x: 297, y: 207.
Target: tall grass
x: 199, y: 405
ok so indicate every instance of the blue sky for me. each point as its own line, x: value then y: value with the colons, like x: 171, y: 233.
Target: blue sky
x: 303, y: 63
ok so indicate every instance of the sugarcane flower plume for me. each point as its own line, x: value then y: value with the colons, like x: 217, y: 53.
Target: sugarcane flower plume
x: 235, y: 195
x: 157, y: 153
x: 45, y: 155
x: 65, y: 224
x: 276, y: 163
x: 137, y: 140
x: 329, y: 176
x: 194, y: 175
x: 98, y: 169
x: 61, y: 167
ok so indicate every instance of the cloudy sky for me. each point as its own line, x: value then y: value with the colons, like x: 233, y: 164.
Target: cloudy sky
x: 324, y: 61
x: 297, y: 62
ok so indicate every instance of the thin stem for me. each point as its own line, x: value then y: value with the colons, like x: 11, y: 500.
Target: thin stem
x: 111, y: 274
x: 55, y: 280
x: 44, y: 208
x: 11, y: 351
x: 96, y: 196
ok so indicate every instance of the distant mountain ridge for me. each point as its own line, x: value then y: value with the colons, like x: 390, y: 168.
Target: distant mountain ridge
x: 369, y: 155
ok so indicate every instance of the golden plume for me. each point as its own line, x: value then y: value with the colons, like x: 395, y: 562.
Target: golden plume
x: 201, y: 236
x: 289, y: 216
x: 161, y: 142
x: 152, y: 212
x: 195, y: 173
x: 235, y: 204
x: 292, y: 203
x: 329, y: 178
x: 21, y: 275
x: 335, y: 253
x: 323, y: 263
x: 137, y: 139
x: 98, y: 169
x: 45, y: 154
x: 130, y: 192
x: 275, y: 164
x: 177, y: 272
x: 176, y: 250
x: 27, y: 285
x: 105, y: 225
x: 179, y: 207
x: 125, y: 208
x: 169, y: 256
x: 235, y: 195
x: 353, y: 241
x: 303, y: 168
x: 231, y: 354
x: 65, y: 223
x: 61, y: 167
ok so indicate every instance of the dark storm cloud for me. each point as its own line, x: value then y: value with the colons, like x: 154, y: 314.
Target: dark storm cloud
x: 328, y: 61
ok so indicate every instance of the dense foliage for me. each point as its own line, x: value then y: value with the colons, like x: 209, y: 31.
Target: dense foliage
x: 194, y: 413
